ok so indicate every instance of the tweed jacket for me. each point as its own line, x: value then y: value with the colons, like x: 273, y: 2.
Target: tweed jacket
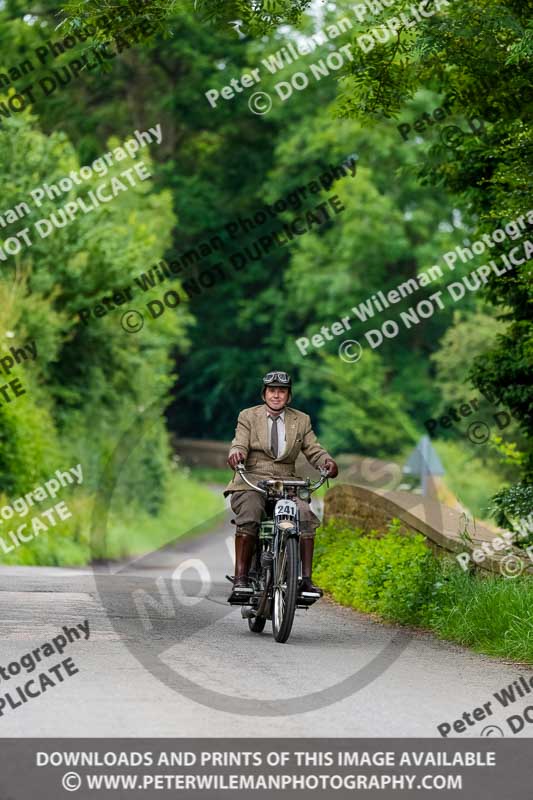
x: 251, y: 439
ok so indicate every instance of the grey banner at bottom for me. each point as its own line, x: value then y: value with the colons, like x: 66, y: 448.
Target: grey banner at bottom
x: 53, y: 769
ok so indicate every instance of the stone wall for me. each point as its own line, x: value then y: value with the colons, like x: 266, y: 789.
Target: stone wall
x: 441, y: 525
x: 356, y: 469
x: 207, y: 453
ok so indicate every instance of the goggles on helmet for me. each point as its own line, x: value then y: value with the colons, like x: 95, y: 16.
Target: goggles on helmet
x: 276, y: 377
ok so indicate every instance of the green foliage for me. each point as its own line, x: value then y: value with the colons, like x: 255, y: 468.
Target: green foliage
x: 29, y: 445
x: 408, y: 203
x: 88, y: 383
x: 258, y: 16
x: 112, y: 19
x: 478, y: 55
x: 131, y: 530
x: 388, y: 234
x: 472, y: 474
x: 396, y: 576
x: 511, y: 504
x: 469, y: 336
x: 391, y: 574
x: 212, y: 475
x: 491, y: 614
x: 506, y: 371
x: 359, y: 415
x: 188, y: 506
x: 116, y: 19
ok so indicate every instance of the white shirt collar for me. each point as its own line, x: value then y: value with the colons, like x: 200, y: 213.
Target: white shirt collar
x: 280, y: 416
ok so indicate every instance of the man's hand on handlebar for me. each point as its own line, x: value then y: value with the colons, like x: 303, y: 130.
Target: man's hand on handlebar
x: 235, y: 459
x: 331, y: 467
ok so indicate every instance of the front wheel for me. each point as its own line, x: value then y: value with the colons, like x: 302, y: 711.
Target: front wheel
x: 285, y: 591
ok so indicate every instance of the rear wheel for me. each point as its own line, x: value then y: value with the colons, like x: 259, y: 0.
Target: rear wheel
x: 285, y: 591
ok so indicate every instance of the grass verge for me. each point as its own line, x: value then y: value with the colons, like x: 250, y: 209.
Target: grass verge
x: 396, y: 576
x: 211, y: 475
x: 131, y: 531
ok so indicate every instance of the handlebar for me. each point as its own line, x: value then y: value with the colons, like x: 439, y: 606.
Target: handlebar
x: 312, y: 486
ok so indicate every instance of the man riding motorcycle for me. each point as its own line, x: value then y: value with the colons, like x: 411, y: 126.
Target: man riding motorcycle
x: 268, y: 439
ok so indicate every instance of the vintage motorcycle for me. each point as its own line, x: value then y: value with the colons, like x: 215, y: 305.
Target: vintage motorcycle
x: 275, y: 569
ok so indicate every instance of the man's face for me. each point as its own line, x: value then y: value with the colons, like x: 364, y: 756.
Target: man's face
x: 276, y: 397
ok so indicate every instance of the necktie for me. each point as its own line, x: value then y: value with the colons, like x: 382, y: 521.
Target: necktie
x: 274, y: 436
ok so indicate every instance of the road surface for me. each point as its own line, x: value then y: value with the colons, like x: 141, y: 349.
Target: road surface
x: 162, y: 659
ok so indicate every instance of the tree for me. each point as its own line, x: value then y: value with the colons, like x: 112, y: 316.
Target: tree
x: 89, y: 380
x: 360, y: 413
x: 111, y: 19
x: 470, y: 336
x: 477, y: 55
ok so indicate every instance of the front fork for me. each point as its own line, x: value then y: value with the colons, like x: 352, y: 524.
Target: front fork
x: 279, y: 542
x: 268, y: 558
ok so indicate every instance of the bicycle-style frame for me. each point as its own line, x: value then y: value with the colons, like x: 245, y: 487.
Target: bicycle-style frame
x: 278, y: 556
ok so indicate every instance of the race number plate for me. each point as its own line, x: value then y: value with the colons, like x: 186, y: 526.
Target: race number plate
x: 286, y: 508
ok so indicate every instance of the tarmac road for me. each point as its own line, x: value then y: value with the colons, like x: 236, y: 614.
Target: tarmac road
x: 164, y: 660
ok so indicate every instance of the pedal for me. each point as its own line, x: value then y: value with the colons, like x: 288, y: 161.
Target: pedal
x: 306, y: 599
x: 238, y: 601
x: 240, y: 597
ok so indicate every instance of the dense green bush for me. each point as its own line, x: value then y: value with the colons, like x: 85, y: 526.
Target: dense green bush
x: 396, y: 576
x: 512, y: 504
x: 391, y: 574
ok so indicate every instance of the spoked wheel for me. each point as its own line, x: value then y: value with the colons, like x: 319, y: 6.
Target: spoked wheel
x: 285, y: 591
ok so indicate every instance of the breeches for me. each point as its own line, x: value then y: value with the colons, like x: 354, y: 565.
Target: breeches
x: 248, y: 508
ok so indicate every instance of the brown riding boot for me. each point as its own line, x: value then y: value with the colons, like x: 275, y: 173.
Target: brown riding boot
x: 307, y: 545
x: 244, y: 549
